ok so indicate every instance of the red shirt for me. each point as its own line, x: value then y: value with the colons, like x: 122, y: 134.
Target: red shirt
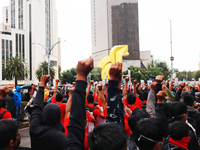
x: 138, y: 102
x: 126, y: 126
x: 89, y: 117
x: 7, y: 115
x: 62, y: 108
x: 66, y: 123
x: 133, y: 107
x: 96, y: 112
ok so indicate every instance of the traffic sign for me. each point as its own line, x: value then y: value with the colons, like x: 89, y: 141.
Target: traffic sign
x: 171, y: 58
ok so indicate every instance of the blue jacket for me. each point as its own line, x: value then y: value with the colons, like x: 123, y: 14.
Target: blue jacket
x: 17, y: 97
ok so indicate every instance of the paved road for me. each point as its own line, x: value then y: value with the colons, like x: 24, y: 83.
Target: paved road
x: 25, y: 138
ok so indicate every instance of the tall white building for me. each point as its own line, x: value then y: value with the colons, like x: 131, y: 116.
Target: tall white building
x: 26, y: 22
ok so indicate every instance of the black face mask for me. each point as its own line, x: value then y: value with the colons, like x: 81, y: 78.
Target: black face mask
x: 19, y: 141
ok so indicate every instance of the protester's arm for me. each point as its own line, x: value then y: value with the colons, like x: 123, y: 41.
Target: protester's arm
x: 55, y: 92
x: 106, y: 87
x: 115, y: 106
x: 125, y: 88
x: 89, y: 87
x: 150, y: 107
x: 76, y: 127
x: 158, y: 88
x: 178, y: 94
x: 35, y: 121
x: 168, y: 92
x: 135, y: 91
x: 102, y: 98
x: 69, y: 103
x: 159, y: 109
x: 171, y: 85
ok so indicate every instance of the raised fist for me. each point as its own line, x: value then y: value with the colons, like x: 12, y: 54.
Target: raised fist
x: 164, y: 88
x: 71, y: 90
x: 43, y: 80
x: 160, y: 95
x: 106, y: 84
x: 182, y: 85
x: 83, y: 68
x: 99, y: 86
x: 159, y: 79
x: 116, y: 71
x: 127, y: 79
x: 91, y: 82
x: 57, y: 80
x: 153, y: 86
x: 135, y: 82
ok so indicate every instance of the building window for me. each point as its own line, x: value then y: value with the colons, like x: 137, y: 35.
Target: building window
x: 20, y: 14
x: 6, y: 15
x: 53, y: 63
x: 3, y: 57
x: 20, y: 50
x: 10, y: 48
x: 12, y: 13
x: 16, y: 41
x: 23, y: 54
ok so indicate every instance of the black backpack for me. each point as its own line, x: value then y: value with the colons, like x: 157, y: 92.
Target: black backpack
x: 1, y: 115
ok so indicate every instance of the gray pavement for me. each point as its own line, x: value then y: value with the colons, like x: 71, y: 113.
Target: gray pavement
x: 25, y: 138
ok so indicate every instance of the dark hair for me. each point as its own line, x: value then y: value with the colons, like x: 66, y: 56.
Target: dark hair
x: 8, y: 131
x: 59, y: 97
x: 131, y: 98
x: 90, y: 98
x: 51, y: 93
x: 10, y: 93
x: 188, y: 100
x: 91, y: 92
x: 135, y: 117
x: 108, y: 136
x: 178, y: 130
x: 177, y: 109
x: 144, y: 95
x: 148, y: 132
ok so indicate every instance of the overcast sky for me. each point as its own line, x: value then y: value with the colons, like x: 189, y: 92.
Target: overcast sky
x: 74, y: 26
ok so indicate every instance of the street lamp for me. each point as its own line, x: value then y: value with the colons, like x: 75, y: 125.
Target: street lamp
x: 48, y: 52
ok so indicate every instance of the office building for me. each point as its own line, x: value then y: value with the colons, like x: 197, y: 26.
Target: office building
x: 115, y: 22
x: 29, y: 27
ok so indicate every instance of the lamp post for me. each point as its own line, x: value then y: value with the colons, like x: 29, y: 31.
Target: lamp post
x: 48, y: 53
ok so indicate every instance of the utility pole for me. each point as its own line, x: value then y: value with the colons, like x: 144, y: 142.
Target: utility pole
x: 171, y: 58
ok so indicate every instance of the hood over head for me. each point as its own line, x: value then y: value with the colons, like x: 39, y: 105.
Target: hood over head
x: 18, y: 88
x: 51, y: 116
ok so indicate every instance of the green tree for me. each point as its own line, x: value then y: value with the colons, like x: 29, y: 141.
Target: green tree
x: 162, y: 68
x: 43, y: 70
x: 14, y: 67
x: 135, y: 73
x: 96, y: 74
x: 68, y: 76
x: 197, y: 76
x: 59, y: 71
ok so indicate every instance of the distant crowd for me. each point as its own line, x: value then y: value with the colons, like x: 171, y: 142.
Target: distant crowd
x: 109, y: 116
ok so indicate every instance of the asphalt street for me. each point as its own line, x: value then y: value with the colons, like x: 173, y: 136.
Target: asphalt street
x: 25, y: 138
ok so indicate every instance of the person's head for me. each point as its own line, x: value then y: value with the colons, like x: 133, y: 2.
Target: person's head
x: 18, y: 88
x: 189, y: 100
x: 178, y: 130
x: 197, y: 95
x: 178, y: 111
x: 90, y: 99
x: 135, y: 117
x: 149, y: 134
x: 59, y: 97
x: 29, y: 90
x: 10, y: 93
x: 131, y: 99
x: 108, y: 136
x: 9, y: 134
x: 144, y: 95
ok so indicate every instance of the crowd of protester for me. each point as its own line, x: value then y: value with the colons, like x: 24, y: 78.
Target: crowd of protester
x: 113, y: 116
